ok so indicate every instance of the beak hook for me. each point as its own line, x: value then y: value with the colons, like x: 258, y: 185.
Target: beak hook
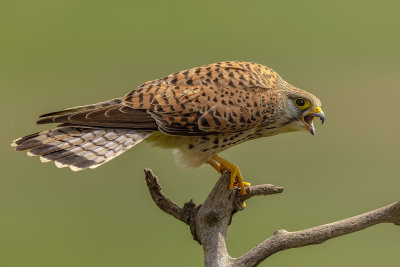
x: 320, y: 115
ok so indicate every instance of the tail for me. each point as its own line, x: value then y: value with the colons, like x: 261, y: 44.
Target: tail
x: 80, y: 147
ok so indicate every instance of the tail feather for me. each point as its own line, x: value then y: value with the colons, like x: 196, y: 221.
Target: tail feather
x: 80, y: 147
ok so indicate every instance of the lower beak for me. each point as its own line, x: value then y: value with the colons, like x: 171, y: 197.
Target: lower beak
x: 309, y: 118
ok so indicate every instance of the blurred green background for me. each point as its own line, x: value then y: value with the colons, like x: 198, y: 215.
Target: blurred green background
x: 58, y: 54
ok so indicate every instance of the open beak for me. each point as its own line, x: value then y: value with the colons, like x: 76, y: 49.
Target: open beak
x: 310, y: 116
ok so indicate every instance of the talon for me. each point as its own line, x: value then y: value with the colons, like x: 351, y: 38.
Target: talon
x: 236, y: 178
x: 245, y: 184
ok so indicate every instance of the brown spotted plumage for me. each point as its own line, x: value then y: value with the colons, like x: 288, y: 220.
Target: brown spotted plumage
x: 224, y: 97
x: 197, y: 112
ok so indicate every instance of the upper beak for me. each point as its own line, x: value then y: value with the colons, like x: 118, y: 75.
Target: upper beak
x: 309, y: 118
x: 320, y: 115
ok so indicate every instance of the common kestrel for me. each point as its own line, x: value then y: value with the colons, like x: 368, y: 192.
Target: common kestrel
x: 198, y: 112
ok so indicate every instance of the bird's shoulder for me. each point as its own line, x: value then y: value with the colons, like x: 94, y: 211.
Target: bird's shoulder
x: 233, y: 76
x: 228, y: 73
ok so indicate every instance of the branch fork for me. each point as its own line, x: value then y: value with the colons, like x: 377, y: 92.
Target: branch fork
x: 209, y: 222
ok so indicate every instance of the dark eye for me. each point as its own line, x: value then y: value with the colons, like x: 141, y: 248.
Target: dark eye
x: 300, y: 102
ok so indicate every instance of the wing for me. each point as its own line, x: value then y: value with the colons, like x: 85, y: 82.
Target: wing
x: 105, y: 114
x: 223, y: 97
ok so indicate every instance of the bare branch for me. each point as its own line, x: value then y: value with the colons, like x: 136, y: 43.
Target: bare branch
x: 283, y: 239
x: 262, y: 190
x: 209, y: 222
x: 160, y: 199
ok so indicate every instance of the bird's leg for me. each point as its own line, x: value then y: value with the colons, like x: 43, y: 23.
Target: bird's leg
x: 222, y: 165
x: 215, y: 165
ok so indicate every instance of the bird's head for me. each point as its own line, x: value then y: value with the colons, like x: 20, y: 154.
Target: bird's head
x: 300, y: 108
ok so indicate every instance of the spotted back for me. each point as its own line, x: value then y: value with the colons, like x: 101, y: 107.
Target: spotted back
x: 220, y: 97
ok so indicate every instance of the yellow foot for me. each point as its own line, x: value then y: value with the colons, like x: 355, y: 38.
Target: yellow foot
x: 215, y: 165
x: 246, y: 184
x: 222, y: 165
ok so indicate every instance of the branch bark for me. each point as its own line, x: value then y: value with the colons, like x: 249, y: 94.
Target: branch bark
x: 209, y: 222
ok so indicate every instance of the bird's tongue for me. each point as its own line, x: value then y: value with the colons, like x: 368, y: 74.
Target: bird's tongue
x: 308, y: 119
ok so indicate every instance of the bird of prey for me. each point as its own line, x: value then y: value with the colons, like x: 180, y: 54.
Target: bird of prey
x: 197, y: 112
